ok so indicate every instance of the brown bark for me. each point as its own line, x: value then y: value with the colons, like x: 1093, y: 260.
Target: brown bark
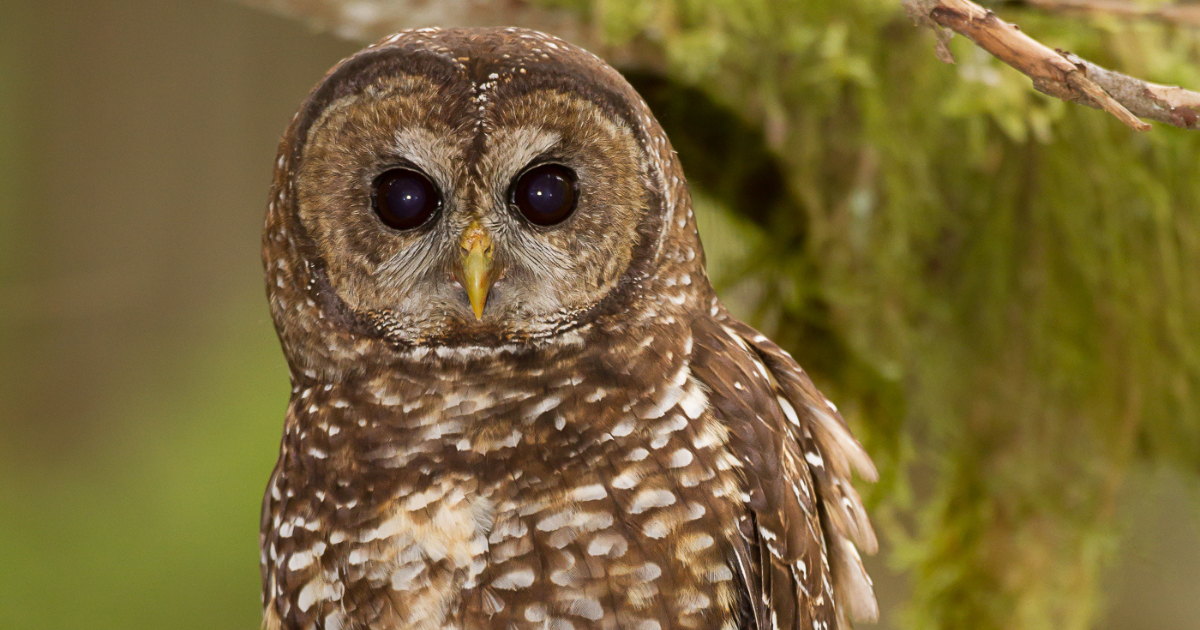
x: 1058, y: 73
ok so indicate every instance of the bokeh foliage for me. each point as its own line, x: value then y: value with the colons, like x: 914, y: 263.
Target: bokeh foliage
x: 1001, y: 289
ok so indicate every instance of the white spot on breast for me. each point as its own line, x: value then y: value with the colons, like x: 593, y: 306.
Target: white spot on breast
x: 593, y: 492
x: 608, y: 544
x: 318, y: 590
x: 629, y: 478
x: 299, y: 560
x: 691, y: 602
x: 554, y: 521
x: 647, y: 572
x: 698, y: 542
x: 719, y: 574
x: 637, y: 454
x: 514, y: 580
x: 402, y: 578
x: 623, y: 428
x: 675, y: 423
x: 546, y: 404
x: 651, y: 498
x: 680, y: 458
x: 535, y: 612
x: 669, y: 398
x: 592, y: 521
x: 695, y: 402
x: 586, y: 607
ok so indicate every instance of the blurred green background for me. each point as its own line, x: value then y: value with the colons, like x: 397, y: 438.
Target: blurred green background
x: 1002, y: 291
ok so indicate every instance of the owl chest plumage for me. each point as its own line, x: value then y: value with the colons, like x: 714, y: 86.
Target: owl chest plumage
x: 567, y: 488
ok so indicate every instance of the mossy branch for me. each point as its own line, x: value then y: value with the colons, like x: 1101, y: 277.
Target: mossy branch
x: 1059, y: 73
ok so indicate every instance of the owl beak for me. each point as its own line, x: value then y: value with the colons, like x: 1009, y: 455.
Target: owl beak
x: 477, y: 274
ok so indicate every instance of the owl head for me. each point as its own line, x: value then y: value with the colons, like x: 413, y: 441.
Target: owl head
x: 474, y: 188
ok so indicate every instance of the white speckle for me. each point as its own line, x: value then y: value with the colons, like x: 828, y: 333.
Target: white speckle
x: 675, y: 423
x: 593, y: 492
x: 402, y: 578
x: 299, y: 560
x: 318, y: 590
x: 788, y: 410
x: 554, y: 521
x: 637, y: 454
x: 548, y: 403
x: 669, y: 398
x: 695, y: 402
x: 651, y: 498
x: 692, y: 602
x: 629, y: 478
x: 623, y: 428
x: 680, y: 458
x: 514, y: 580
x: 648, y: 571
x: 587, y: 608
x: 535, y: 612
x: 592, y: 521
x: 608, y: 544
x: 720, y: 574
x: 814, y: 458
x: 699, y: 543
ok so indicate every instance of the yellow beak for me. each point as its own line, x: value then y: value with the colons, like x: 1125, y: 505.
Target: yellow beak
x: 477, y: 274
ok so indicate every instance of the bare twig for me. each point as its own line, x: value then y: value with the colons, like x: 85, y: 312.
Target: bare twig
x: 1176, y: 13
x: 1058, y: 73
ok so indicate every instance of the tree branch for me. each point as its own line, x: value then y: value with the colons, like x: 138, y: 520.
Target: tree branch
x: 1058, y: 73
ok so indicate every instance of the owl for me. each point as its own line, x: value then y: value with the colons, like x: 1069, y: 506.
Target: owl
x: 516, y: 399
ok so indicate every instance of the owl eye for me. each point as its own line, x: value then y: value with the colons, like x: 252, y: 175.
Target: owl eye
x: 545, y: 194
x: 404, y: 199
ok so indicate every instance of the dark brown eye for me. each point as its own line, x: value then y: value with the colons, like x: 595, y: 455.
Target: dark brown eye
x: 545, y: 194
x: 404, y: 199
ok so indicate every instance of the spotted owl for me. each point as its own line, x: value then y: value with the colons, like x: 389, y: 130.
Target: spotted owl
x: 516, y: 399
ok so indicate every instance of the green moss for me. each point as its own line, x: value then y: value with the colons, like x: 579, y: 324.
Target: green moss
x: 998, y: 288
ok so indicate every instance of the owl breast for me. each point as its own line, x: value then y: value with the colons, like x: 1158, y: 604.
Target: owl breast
x: 590, y: 500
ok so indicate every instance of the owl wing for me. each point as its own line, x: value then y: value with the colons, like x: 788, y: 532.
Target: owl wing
x: 798, y: 554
